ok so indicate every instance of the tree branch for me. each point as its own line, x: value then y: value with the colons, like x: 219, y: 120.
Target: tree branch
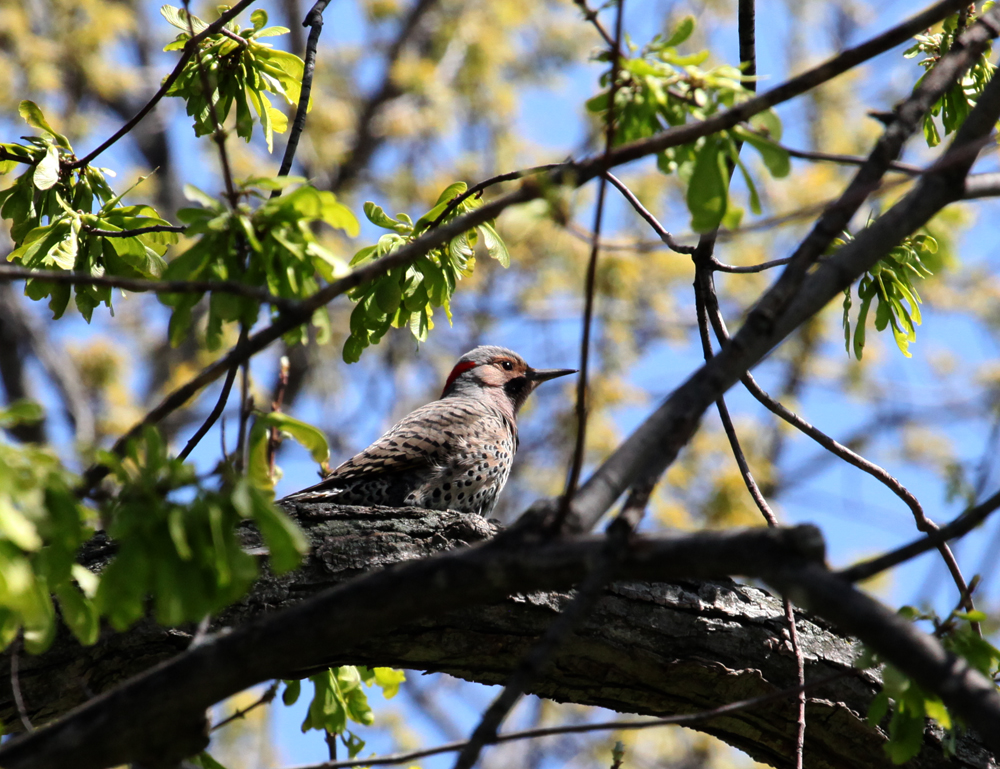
x: 153, y: 714
x: 689, y: 719
x: 139, y: 285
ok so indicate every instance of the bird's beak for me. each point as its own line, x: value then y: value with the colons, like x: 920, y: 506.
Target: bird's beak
x: 545, y: 374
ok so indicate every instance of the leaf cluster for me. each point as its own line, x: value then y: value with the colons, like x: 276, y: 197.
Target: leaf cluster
x: 272, y: 247
x: 177, y: 541
x: 407, y: 295
x: 954, y: 105
x: 42, y: 524
x: 912, y: 704
x: 338, y: 697
x: 890, y: 283
x: 52, y: 213
x: 239, y: 71
x: 660, y: 88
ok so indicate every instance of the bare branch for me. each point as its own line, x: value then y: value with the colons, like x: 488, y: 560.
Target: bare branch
x: 15, y: 686
x: 579, y: 449
x: 651, y: 220
x: 135, y: 232
x: 959, y: 527
x: 686, y: 719
x: 139, y: 285
x: 313, y: 20
x: 265, y: 699
x: 220, y: 405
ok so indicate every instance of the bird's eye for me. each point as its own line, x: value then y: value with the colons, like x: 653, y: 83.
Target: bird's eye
x: 507, y: 365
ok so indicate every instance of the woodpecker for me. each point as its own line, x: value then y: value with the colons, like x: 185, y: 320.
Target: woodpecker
x: 454, y: 453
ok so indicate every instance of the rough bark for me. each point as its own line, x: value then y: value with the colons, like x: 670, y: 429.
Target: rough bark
x: 649, y: 648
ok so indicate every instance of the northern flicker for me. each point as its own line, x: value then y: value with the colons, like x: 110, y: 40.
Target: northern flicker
x: 451, y: 454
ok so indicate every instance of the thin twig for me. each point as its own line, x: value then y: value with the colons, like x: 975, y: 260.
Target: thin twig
x: 959, y: 527
x: 246, y: 406
x: 666, y: 237
x: 135, y: 232
x: 844, y: 160
x: 313, y: 20
x: 7, y: 155
x: 15, y: 686
x: 800, y: 677
x: 189, y: 48
x: 220, y: 405
x: 11, y: 273
x: 924, y: 524
x: 591, y: 15
x: 576, y: 465
x: 751, y: 268
x: 265, y: 699
x: 478, y: 189
x: 550, y: 731
x: 274, y: 439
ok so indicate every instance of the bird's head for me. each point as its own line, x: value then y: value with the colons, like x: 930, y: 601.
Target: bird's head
x: 497, y: 373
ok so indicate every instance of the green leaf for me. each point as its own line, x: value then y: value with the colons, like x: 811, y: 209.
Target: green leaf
x: 494, y: 244
x: 33, y: 116
x: 286, y: 544
x: 906, y: 735
x: 681, y: 32
x: 338, y: 215
x: 205, y: 761
x: 878, y: 708
x: 21, y: 412
x: 389, y: 681
x: 178, y: 17
x: 16, y: 527
x: 936, y: 709
x: 353, y: 743
x: 272, y: 32
x: 79, y: 614
x: 707, y: 194
x: 259, y: 19
x: 451, y: 191
x: 291, y: 693
x: 310, y: 437
x: 47, y: 171
x: 379, y: 217
x: 388, y: 294
x: 775, y: 158
x: 748, y: 180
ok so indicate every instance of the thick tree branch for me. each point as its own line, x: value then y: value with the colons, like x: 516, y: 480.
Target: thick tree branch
x: 650, y: 648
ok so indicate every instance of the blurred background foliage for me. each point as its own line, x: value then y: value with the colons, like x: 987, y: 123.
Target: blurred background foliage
x: 411, y: 96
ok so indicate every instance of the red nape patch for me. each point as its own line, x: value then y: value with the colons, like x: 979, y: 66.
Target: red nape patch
x: 456, y: 372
